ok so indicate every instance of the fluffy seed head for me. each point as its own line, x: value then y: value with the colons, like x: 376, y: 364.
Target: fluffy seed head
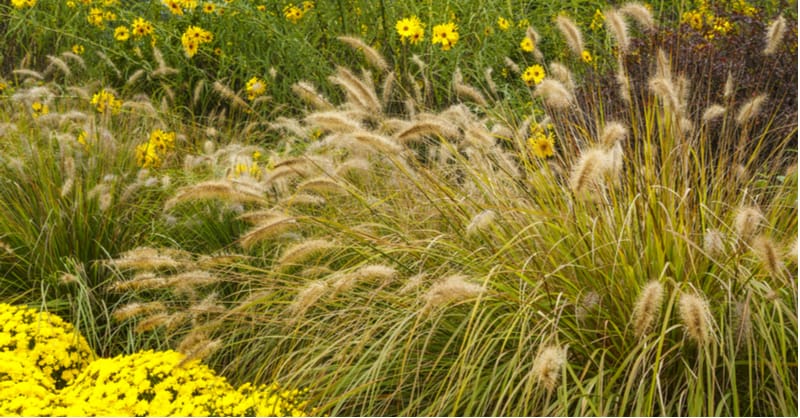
x: 308, y: 93
x: 750, y: 109
x: 372, y: 56
x: 714, y: 243
x: 639, y: 13
x: 774, y: 35
x: 454, y: 288
x: 561, y: 73
x: 765, y: 250
x: 696, y: 317
x: 618, y: 29
x: 307, y: 297
x: 713, y: 112
x: 481, y: 222
x: 612, y: 133
x: 303, y: 250
x: 265, y: 230
x: 546, y: 367
x: 647, y: 307
x: 571, y: 33
x: 747, y: 222
x: 136, y: 308
x: 555, y: 94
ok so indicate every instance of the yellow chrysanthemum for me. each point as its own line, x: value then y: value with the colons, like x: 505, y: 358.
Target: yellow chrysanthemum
x: 78, y: 49
x: 410, y: 29
x: 586, y: 56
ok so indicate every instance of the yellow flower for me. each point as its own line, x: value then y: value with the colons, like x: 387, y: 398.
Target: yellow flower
x: 597, y: 20
x: 39, y: 109
x: 21, y: 4
x: 255, y: 87
x: 95, y: 16
x: 174, y: 6
x: 502, y: 23
x: 541, y: 144
x: 78, y: 49
x: 526, y: 44
x: 141, y: 27
x: 121, y: 33
x: 209, y: 8
x: 533, y: 75
x: 293, y: 13
x: 308, y: 5
x: 586, y: 56
x: 410, y: 28
x: 193, y: 37
x: 105, y: 100
x: 82, y: 139
x: 445, y: 34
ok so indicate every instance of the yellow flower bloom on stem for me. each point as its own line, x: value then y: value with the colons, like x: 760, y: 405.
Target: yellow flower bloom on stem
x: 542, y: 145
x: 597, y: 20
x: 445, y: 34
x: 586, y: 56
x: 105, y: 100
x: 121, y: 33
x: 502, y: 23
x: 255, y: 87
x: 533, y: 75
x: 174, y: 6
x: 39, y: 109
x: 209, y: 8
x: 308, y: 5
x: 78, y: 49
x: 95, y: 17
x: 526, y: 44
x: 293, y: 13
x: 21, y: 4
x: 410, y: 29
x: 193, y: 37
x: 141, y: 27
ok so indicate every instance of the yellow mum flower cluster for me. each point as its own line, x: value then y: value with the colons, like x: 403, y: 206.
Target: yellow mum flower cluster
x: 151, y: 383
x: 294, y: 13
x: 49, y: 343
x: 410, y: 29
x: 542, y: 143
x: 146, y: 383
x: 106, y: 101
x: 153, y: 152
x: 533, y: 75
x: 445, y: 34
x: 193, y: 38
